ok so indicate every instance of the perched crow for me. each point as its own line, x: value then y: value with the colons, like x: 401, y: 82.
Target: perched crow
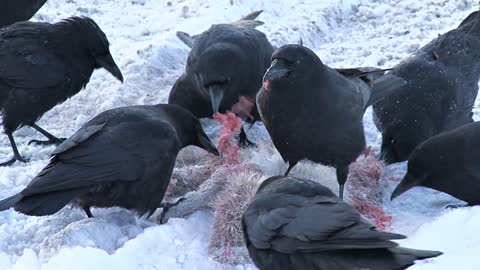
x: 299, y: 224
x: 447, y: 162
x: 314, y: 112
x: 13, y: 11
x: 442, y: 85
x: 226, y: 62
x: 42, y: 65
x: 122, y: 157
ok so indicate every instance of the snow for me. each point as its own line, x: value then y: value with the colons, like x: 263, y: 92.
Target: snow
x: 344, y: 33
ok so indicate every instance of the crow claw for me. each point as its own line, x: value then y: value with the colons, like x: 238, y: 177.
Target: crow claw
x: 11, y: 161
x: 47, y: 142
x: 456, y: 206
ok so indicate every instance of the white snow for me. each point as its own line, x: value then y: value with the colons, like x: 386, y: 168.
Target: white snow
x: 344, y: 33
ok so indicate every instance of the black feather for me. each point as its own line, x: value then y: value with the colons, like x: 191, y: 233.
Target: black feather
x: 122, y: 157
x: 12, y: 11
x: 442, y: 85
x: 314, y: 112
x: 42, y: 65
x: 299, y: 224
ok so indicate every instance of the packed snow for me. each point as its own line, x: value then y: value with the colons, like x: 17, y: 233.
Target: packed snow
x: 344, y: 33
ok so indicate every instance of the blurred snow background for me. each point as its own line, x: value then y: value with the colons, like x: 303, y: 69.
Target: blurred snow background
x: 344, y: 33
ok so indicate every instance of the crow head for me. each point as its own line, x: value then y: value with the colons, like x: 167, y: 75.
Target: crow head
x: 222, y: 72
x: 202, y: 140
x: 291, y: 63
x: 95, y: 44
x: 189, y: 129
x: 417, y: 173
x: 404, y: 133
x: 397, y: 146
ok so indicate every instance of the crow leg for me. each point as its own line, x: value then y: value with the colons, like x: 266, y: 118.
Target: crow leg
x: 87, y: 211
x: 16, y: 154
x: 51, y: 139
x: 342, y: 174
x: 243, y: 140
x: 290, y: 167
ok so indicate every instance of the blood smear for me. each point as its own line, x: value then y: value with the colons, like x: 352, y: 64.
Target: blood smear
x: 366, y: 190
x: 266, y: 85
x: 231, y: 125
x: 243, y: 108
x: 374, y: 213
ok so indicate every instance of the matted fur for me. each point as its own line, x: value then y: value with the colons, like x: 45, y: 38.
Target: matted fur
x: 228, y: 188
x: 229, y: 205
x: 366, y: 188
x: 192, y: 168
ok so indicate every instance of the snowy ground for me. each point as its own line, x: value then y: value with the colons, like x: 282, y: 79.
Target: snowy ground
x: 142, y: 33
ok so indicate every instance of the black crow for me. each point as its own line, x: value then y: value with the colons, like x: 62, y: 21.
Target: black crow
x: 314, y: 112
x: 42, y: 65
x: 299, y: 224
x: 122, y: 157
x: 13, y: 11
x: 447, y: 162
x: 442, y: 85
x: 226, y: 62
x: 248, y: 21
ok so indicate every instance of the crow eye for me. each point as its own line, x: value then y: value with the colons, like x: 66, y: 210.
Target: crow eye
x: 286, y: 61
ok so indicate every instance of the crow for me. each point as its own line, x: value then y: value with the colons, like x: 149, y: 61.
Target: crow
x: 42, y: 65
x: 122, y: 157
x: 314, y: 112
x: 226, y: 62
x: 442, y: 85
x: 447, y: 162
x: 294, y: 223
x: 13, y: 11
x: 248, y: 21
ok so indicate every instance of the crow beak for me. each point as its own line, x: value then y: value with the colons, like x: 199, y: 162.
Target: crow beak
x: 206, y: 143
x: 407, y: 183
x: 216, y: 93
x: 39, y: 3
x: 278, y: 69
x: 387, y: 156
x: 107, y: 62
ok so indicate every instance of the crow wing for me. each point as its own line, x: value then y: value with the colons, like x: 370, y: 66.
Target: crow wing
x: 468, y: 142
x: 310, y: 224
x: 102, y: 152
x: 367, y: 74
x: 26, y: 63
x: 381, y: 84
